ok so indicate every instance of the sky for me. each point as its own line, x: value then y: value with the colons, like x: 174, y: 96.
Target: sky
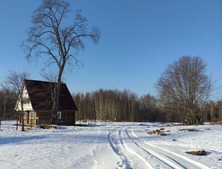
x: 139, y: 39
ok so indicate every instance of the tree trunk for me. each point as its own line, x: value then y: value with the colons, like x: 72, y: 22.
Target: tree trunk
x: 56, y: 93
x: 55, y: 107
x: 22, y: 115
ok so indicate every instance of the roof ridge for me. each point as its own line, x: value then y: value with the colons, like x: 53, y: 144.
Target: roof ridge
x: 42, y: 81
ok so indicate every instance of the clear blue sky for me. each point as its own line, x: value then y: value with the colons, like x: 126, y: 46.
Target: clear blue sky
x: 139, y: 39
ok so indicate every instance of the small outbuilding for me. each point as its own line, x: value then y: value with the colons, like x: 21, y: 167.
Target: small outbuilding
x: 36, y: 100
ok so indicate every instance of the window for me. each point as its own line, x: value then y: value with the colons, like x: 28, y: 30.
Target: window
x: 32, y: 115
x: 59, y: 115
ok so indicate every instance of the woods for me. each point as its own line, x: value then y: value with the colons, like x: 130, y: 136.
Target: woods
x: 115, y: 105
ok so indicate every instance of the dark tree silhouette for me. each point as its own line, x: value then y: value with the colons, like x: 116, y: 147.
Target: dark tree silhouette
x: 52, y: 37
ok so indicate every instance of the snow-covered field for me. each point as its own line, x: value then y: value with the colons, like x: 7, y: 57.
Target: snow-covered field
x: 110, y: 146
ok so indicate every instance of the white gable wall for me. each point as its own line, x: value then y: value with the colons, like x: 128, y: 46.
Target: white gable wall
x: 27, y: 106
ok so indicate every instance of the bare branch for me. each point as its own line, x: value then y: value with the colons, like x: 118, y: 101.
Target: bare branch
x: 185, y: 83
x: 50, y: 36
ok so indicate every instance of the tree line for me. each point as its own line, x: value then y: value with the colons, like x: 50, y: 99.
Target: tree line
x: 115, y: 105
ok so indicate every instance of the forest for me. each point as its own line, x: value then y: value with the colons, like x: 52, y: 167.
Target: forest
x: 115, y: 105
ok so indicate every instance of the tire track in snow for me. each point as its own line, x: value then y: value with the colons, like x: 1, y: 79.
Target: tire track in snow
x: 183, y: 158
x: 121, y: 147
x: 157, y: 160
x: 170, y: 158
x: 124, y: 161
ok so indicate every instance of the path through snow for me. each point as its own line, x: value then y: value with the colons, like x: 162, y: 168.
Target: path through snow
x: 114, y: 145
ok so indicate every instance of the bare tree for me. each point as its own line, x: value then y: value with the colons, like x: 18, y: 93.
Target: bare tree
x: 14, y: 82
x: 7, y: 102
x: 184, y: 88
x: 53, y: 37
x: 148, y: 105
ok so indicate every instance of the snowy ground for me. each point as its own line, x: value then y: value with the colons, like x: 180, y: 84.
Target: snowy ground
x: 110, y: 146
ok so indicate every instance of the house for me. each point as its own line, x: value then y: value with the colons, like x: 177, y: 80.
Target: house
x: 36, y: 98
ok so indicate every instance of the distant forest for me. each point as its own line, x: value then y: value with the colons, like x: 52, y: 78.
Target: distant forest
x: 115, y: 105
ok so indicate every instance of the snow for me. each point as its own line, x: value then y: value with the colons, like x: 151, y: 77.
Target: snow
x: 110, y: 146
